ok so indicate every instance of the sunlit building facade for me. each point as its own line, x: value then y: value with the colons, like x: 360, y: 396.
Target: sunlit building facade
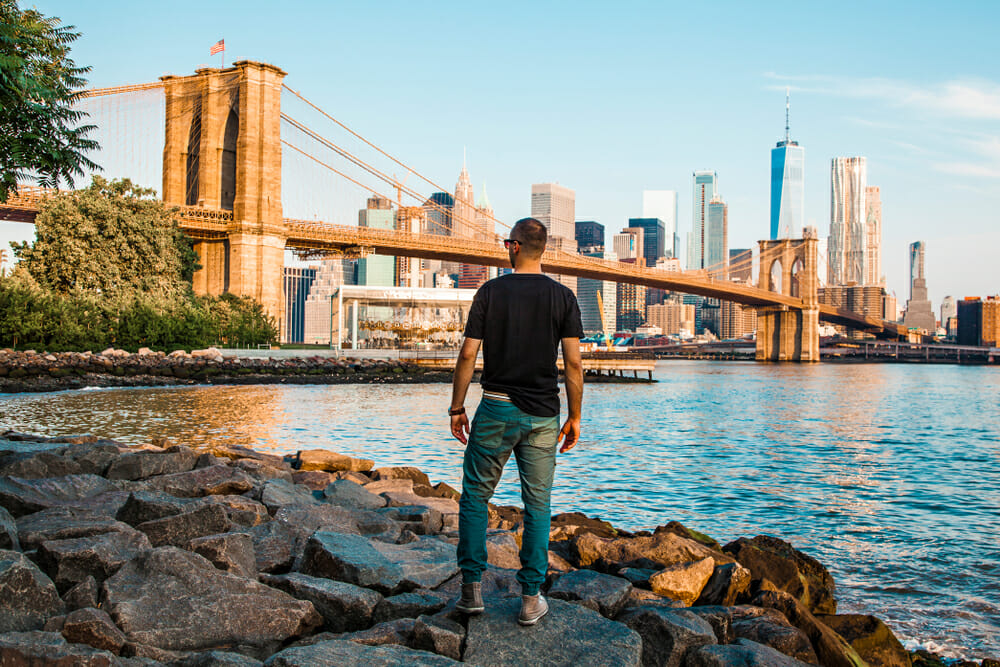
x: 848, y: 223
x: 706, y: 184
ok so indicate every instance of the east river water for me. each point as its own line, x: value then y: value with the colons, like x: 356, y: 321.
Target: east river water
x: 888, y: 474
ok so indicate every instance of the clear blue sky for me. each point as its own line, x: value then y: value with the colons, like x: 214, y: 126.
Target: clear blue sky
x: 613, y: 100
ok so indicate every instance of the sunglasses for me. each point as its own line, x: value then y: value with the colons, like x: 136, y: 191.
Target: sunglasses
x: 507, y: 243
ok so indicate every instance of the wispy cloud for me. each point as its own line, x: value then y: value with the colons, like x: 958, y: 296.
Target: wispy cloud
x: 976, y: 170
x: 961, y: 98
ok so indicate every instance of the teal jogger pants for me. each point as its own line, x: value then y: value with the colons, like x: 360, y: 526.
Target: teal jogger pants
x: 498, y: 429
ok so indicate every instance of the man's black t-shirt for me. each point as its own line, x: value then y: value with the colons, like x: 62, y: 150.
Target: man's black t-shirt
x: 521, y: 318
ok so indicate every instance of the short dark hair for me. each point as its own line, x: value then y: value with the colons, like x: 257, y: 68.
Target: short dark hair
x: 532, y: 235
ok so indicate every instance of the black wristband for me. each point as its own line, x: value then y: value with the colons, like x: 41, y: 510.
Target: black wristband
x: 456, y: 411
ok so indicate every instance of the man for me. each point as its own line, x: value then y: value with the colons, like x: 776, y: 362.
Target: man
x: 520, y: 319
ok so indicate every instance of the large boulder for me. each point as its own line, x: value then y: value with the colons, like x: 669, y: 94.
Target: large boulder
x: 387, y: 568
x: 276, y: 545
x: 50, y: 648
x: 727, y: 583
x: 344, y: 652
x: 278, y: 493
x: 770, y: 628
x: 179, y: 529
x: 346, y: 493
x: 787, y: 568
x: 320, y: 459
x: 210, y: 481
x: 667, y: 634
x: 684, y: 581
x: 570, y: 524
x: 870, y: 637
x: 653, y: 552
x: 230, y: 552
x: 344, y: 607
x: 409, y: 605
x: 439, y: 634
x: 59, y: 460
x: 93, y: 627
x: 502, y: 549
x: 496, y: 583
x: 63, y: 523
x: 743, y: 653
x: 721, y: 620
x: 85, y: 594
x: 242, y: 511
x: 71, y: 561
x: 416, y: 475
x: 594, y: 590
x: 143, y: 506
x: 25, y: 496
x: 148, y: 463
x: 569, y: 634
x: 8, y: 531
x: 831, y: 649
x: 418, y: 519
x: 177, y: 600
x: 28, y: 598
x: 263, y: 472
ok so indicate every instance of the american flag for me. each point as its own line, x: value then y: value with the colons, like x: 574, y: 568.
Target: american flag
x: 218, y: 47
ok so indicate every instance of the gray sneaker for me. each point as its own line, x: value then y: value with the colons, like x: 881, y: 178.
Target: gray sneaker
x: 471, y: 601
x: 533, y: 607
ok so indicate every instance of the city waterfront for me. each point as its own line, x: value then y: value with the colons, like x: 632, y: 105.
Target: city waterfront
x: 887, y: 474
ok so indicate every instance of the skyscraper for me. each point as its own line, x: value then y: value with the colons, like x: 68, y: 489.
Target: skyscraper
x: 717, y: 237
x: 438, y: 207
x: 706, y: 183
x: 788, y: 168
x: 919, y: 313
x: 848, y: 225
x: 653, y: 237
x: 589, y: 234
x: 377, y: 269
x: 472, y: 276
x: 873, y: 236
x: 629, y: 244
x: 662, y: 204
x: 555, y: 207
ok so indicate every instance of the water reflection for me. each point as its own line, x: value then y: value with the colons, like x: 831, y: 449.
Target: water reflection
x: 887, y: 474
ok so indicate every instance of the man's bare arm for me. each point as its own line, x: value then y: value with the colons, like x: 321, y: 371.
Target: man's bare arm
x: 464, y: 369
x: 573, y: 370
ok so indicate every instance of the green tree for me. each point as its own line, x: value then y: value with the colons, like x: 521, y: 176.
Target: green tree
x: 40, y: 134
x: 113, y: 239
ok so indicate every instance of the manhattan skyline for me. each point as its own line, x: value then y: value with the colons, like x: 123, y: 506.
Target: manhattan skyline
x: 610, y: 105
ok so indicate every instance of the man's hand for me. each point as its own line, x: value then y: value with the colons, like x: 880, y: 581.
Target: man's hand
x: 571, y: 432
x: 460, y: 428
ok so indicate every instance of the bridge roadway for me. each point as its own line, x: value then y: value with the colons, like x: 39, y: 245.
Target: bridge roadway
x: 311, y: 237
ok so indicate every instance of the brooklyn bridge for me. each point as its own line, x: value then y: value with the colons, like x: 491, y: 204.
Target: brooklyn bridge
x: 226, y: 135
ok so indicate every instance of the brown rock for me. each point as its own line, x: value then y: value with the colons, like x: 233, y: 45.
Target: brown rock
x: 684, y: 581
x: 788, y: 568
x: 656, y: 552
x: 727, y: 583
x: 320, y: 459
x: 93, y: 627
x: 870, y: 637
x: 180, y: 529
x: 831, y: 649
x: 317, y: 480
x: 84, y: 594
x: 230, y: 552
x: 49, y: 648
x: 401, y: 472
x: 27, y: 597
x: 214, y: 480
x: 769, y: 627
x: 69, y: 562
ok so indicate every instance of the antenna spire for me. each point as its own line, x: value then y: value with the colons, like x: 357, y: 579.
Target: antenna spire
x: 787, y: 108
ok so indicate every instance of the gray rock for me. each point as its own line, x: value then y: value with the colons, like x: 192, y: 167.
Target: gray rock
x: 25, y: 496
x: 49, y: 648
x: 230, y: 552
x: 721, y: 620
x: 637, y: 576
x: 743, y: 653
x: 568, y: 635
x: 242, y: 511
x: 399, y: 632
x: 85, y: 594
x: 60, y: 460
x: 276, y: 545
x: 8, y: 531
x: 180, y: 529
x: 418, y: 519
x: 146, y: 653
x: 143, y: 506
x: 600, y: 592
x: 409, y: 605
x: 344, y: 607
x: 351, y: 494
x: 147, y: 463
x: 416, y: 475
x: 439, y: 635
x: 278, y: 493
x: 93, y: 627
x: 176, y: 600
x: 263, y: 472
x: 667, y: 634
x: 320, y: 459
x: 317, y: 480
x: 214, y: 480
x: 217, y: 659
x: 237, y: 452
x: 320, y: 517
x: 63, y: 523
x: 71, y: 561
x: 728, y: 582
x: 386, y: 485
x: 770, y: 628
x: 496, y: 583
x: 343, y: 652
x: 27, y: 597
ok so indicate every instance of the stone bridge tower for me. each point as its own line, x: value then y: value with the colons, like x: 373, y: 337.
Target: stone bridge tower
x: 789, y: 267
x: 223, y: 152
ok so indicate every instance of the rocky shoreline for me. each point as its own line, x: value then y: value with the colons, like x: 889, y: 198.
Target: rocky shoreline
x: 139, y: 555
x: 31, y: 371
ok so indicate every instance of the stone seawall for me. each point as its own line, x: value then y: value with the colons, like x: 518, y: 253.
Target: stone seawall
x: 140, y: 555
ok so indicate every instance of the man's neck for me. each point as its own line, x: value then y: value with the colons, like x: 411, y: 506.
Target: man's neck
x: 528, y: 267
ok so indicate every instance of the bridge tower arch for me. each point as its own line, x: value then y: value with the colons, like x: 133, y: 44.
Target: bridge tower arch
x: 222, y: 150
x: 790, y: 267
